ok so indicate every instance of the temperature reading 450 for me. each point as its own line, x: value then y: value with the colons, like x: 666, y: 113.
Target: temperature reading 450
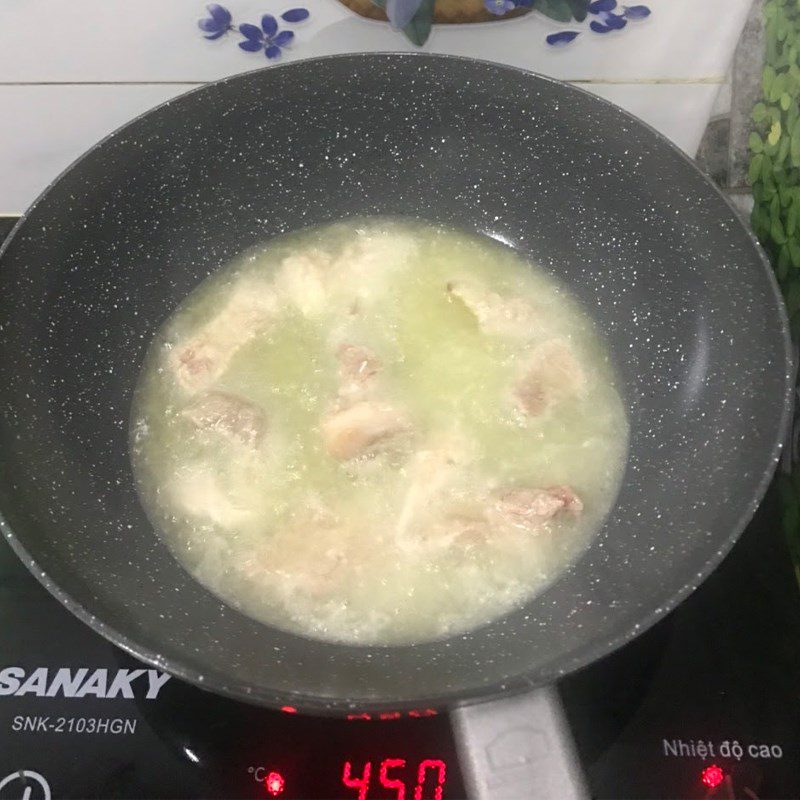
x: 426, y: 783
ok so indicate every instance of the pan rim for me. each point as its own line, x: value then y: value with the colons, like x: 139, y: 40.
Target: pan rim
x: 319, y: 704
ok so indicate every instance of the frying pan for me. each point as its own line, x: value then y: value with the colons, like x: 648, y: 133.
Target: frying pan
x: 675, y: 282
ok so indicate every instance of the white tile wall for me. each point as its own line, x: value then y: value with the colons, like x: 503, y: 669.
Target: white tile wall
x: 72, y: 72
x: 157, y: 40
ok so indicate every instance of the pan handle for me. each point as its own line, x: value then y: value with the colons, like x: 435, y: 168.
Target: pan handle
x: 519, y: 748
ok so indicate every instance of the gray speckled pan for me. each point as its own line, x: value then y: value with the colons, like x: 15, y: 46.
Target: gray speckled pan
x: 641, y: 237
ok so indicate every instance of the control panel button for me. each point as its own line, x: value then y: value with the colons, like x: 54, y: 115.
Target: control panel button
x: 24, y: 784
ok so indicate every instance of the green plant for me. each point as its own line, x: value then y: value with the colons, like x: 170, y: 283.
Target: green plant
x: 775, y: 151
x: 774, y: 174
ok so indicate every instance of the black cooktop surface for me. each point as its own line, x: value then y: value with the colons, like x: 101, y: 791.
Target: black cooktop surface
x: 706, y: 704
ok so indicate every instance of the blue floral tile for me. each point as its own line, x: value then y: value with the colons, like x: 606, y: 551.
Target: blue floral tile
x: 267, y: 38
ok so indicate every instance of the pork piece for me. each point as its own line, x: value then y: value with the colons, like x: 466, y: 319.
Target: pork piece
x: 366, y: 266
x: 305, y: 556
x: 529, y: 509
x: 358, y: 367
x: 301, y: 280
x: 552, y: 375
x: 198, y: 493
x: 229, y: 416
x: 429, y: 473
x: 494, y: 314
x: 310, y: 571
x: 456, y: 533
x: 249, y: 310
x: 361, y: 429
x: 315, y: 281
x: 296, y: 570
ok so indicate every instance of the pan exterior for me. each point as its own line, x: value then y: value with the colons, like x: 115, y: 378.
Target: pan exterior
x: 681, y: 291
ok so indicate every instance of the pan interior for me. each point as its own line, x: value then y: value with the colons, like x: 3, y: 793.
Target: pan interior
x: 375, y: 432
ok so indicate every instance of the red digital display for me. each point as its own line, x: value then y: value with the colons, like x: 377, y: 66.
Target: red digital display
x: 274, y: 783
x: 414, y: 714
x: 393, y: 783
x: 424, y: 782
x: 712, y: 776
x: 361, y: 784
x: 431, y: 764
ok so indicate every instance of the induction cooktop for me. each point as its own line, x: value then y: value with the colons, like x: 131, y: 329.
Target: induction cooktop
x: 705, y: 704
